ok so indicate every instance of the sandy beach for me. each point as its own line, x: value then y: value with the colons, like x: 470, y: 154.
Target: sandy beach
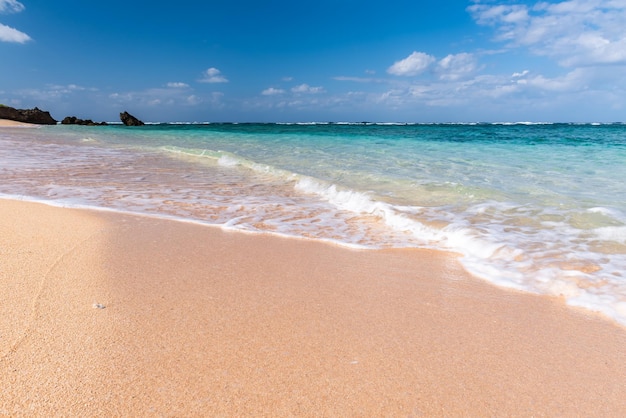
x: 106, y: 314
x: 5, y: 123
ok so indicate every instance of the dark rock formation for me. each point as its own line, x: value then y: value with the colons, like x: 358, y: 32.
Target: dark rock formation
x: 73, y: 120
x: 129, y: 120
x: 27, y: 115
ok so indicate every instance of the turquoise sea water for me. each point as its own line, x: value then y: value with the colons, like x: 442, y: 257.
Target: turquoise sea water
x: 536, y: 207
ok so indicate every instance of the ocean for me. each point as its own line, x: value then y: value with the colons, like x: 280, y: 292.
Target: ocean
x: 536, y: 207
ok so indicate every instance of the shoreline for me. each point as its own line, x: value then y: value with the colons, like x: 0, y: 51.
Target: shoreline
x: 116, y: 314
x: 341, y: 245
x: 7, y: 123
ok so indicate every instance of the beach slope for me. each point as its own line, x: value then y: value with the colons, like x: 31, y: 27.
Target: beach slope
x: 106, y: 314
x: 7, y: 123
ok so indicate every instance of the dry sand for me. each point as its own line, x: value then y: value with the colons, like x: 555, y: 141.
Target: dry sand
x: 105, y: 314
x: 6, y: 123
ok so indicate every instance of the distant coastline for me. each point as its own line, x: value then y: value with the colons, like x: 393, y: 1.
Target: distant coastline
x: 35, y: 115
x: 41, y: 117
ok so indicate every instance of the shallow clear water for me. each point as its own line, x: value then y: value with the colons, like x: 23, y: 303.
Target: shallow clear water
x: 540, y: 208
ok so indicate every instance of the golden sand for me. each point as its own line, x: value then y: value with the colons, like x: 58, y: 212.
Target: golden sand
x: 105, y: 314
x: 6, y: 123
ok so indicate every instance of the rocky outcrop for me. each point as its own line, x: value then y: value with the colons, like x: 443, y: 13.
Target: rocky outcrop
x: 27, y: 115
x: 73, y: 120
x: 129, y: 120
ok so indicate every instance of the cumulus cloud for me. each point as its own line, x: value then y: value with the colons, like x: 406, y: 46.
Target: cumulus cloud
x: 305, y: 88
x: 272, y: 91
x: 574, y: 32
x: 575, y: 80
x: 456, y: 66
x: 213, y: 75
x: 450, y: 68
x: 11, y: 6
x: 520, y: 93
x: 414, y: 64
x: 7, y: 33
x: 193, y: 100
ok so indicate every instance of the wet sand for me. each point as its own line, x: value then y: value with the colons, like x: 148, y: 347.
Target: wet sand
x: 105, y: 314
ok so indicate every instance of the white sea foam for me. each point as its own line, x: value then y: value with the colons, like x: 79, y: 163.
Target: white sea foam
x: 228, y: 161
x: 612, y: 233
x: 610, y: 212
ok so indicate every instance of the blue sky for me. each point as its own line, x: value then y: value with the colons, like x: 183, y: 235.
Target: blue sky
x: 322, y: 60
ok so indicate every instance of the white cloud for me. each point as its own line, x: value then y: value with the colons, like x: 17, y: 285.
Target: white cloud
x: 193, y: 100
x: 167, y: 96
x: 574, y: 32
x: 177, y: 85
x: 305, y: 88
x: 7, y: 33
x: 11, y: 6
x: 414, y: 64
x: 272, y: 91
x: 575, y: 80
x: 354, y: 79
x: 520, y: 93
x: 489, y: 15
x: 450, y: 68
x: 456, y: 66
x: 69, y: 88
x: 55, y: 92
x: 213, y: 75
